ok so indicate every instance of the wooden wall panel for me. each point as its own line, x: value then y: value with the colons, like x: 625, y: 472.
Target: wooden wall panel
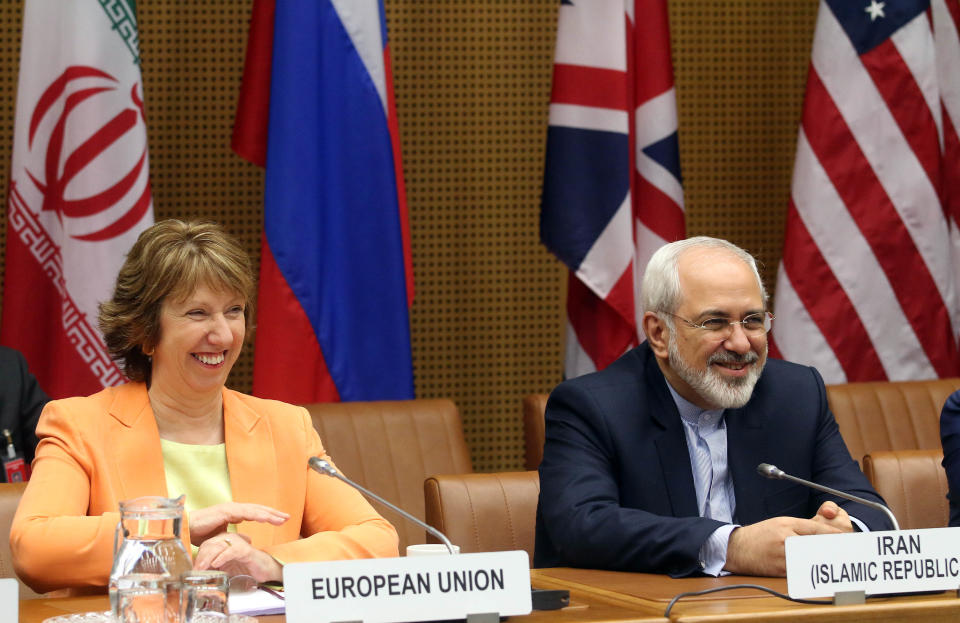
x: 741, y: 67
x: 472, y: 81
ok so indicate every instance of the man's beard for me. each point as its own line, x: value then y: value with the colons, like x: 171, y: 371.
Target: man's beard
x: 719, y: 391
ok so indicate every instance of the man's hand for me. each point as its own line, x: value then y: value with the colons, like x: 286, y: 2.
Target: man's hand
x: 212, y: 520
x: 832, y: 515
x: 758, y: 549
x: 234, y: 554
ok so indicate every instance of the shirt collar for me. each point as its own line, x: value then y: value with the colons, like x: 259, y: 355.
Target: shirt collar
x: 691, y: 413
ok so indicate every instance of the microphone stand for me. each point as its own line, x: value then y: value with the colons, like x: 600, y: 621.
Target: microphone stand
x: 774, y: 473
x: 324, y: 467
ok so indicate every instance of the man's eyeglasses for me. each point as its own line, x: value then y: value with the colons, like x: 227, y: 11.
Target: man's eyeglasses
x: 754, y: 324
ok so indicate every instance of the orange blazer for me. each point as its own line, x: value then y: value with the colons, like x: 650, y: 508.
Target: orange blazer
x: 99, y: 450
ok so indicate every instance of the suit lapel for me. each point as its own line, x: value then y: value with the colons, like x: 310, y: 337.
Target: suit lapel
x: 672, y: 451
x: 137, y: 458
x: 252, y: 461
x: 745, y: 449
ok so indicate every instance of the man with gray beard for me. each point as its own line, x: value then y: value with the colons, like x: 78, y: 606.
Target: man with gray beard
x: 650, y: 464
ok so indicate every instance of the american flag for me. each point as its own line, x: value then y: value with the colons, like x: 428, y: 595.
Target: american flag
x: 612, y: 193
x: 867, y: 289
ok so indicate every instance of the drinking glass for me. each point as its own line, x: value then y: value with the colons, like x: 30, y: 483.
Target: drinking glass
x: 204, y: 596
x: 142, y: 598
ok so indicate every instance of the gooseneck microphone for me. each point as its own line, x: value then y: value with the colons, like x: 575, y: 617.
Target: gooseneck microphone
x: 775, y: 473
x: 324, y: 467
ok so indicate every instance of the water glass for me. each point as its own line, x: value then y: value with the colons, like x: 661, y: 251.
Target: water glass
x: 142, y: 600
x: 204, y: 596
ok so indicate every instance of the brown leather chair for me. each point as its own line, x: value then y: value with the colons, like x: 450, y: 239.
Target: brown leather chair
x: 490, y: 512
x: 890, y: 415
x: 9, y: 499
x: 534, y: 407
x: 913, y: 484
x: 390, y: 447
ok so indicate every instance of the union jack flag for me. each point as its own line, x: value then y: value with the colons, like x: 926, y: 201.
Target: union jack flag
x: 612, y: 193
x: 867, y: 289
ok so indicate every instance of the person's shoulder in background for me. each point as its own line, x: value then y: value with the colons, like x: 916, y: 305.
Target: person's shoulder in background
x: 950, y: 441
x: 21, y: 402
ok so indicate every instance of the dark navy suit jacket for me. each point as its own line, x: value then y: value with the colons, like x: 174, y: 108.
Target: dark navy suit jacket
x: 21, y: 401
x: 950, y: 438
x: 617, y: 488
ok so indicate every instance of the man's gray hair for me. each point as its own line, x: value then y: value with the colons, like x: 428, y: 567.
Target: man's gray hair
x: 661, y: 280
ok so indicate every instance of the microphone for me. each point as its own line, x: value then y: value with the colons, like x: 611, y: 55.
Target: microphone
x: 324, y: 467
x: 775, y: 473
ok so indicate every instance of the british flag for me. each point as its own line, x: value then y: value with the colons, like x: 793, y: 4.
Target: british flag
x: 867, y: 289
x: 612, y: 192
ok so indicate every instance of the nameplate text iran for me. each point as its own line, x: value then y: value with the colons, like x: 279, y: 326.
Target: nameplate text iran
x: 905, y: 561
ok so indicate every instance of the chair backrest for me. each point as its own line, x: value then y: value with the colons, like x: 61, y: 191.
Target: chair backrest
x: 9, y: 499
x: 913, y: 484
x: 489, y: 512
x: 890, y: 415
x: 391, y: 446
x: 534, y: 407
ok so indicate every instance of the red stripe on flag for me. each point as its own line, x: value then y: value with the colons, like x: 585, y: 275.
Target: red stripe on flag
x: 871, y: 208
x: 953, y: 7
x: 657, y: 211
x: 289, y: 360
x: 827, y: 303
x: 589, y: 86
x: 652, y: 49
x: 602, y: 332
x: 394, y: 129
x: 51, y: 353
x: 951, y: 170
x: 899, y: 89
x: 772, y: 349
x: 253, y: 107
x: 621, y: 297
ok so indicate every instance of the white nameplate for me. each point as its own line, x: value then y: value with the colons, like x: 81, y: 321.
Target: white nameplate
x: 9, y: 600
x: 422, y: 588
x: 905, y: 561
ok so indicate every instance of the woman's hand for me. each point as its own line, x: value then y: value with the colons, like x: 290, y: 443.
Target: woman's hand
x: 212, y: 520
x: 234, y: 554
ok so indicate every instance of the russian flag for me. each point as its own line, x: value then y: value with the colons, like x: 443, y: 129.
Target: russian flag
x: 336, y: 281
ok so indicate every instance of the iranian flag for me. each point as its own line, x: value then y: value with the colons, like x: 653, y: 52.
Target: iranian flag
x: 79, y: 186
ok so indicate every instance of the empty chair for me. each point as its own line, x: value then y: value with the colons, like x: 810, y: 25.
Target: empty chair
x: 913, y: 484
x: 485, y: 512
x: 391, y: 446
x: 890, y: 415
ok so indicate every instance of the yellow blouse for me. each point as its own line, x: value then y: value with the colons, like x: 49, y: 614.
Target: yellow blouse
x: 198, y: 471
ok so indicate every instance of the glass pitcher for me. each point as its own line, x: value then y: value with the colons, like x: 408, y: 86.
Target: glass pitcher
x: 147, y: 540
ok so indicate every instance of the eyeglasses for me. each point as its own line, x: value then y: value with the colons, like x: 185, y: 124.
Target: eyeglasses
x: 754, y: 324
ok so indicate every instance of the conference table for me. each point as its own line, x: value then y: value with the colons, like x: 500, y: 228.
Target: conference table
x: 616, y: 597
x: 650, y: 594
